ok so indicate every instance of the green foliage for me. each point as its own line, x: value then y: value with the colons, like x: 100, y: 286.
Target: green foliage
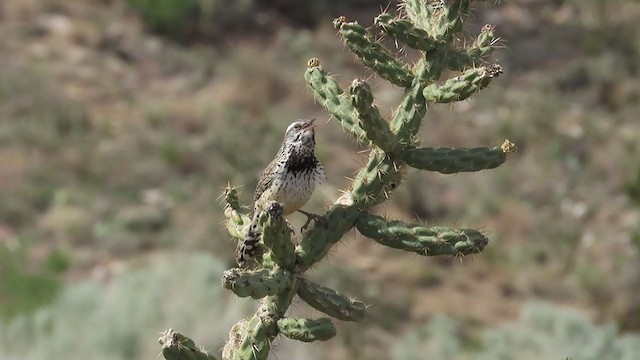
x: 173, y: 17
x: 307, y: 330
x: 176, y: 346
x: 23, y: 290
x: 188, y: 20
x: 543, y: 332
x: 97, y: 320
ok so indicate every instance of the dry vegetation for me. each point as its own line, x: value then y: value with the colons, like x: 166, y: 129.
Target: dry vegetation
x: 116, y: 142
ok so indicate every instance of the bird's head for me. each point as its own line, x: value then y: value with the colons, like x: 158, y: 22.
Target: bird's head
x: 301, y: 134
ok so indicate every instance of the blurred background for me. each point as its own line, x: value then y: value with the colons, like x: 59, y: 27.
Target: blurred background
x: 122, y: 120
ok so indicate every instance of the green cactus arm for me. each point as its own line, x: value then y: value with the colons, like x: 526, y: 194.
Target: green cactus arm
x: 250, y: 339
x: 404, y: 31
x: 276, y: 235
x: 407, y: 118
x: 329, y: 94
x: 230, y: 195
x: 316, y: 242
x: 307, y: 330
x: 463, y: 86
x: 176, y: 346
x: 375, y: 126
x: 374, y: 181
x: 419, y: 239
x: 420, y: 13
x: 475, y: 54
x: 235, y: 221
x: 372, y: 54
x: 256, y: 283
x: 330, y: 301
x: 450, y: 19
x: 450, y: 161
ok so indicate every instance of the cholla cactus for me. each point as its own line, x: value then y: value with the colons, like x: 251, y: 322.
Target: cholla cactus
x: 432, y: 28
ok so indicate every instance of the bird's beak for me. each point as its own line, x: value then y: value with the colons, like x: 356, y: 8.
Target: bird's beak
x: 309, y: 124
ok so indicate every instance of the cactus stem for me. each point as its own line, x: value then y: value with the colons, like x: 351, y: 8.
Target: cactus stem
x: 434, y: 29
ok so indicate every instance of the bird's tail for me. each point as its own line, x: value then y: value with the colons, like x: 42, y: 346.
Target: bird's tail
x: 250, y: 246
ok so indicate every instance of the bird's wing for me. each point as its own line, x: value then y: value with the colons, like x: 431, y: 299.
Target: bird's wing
x: 266, y: 179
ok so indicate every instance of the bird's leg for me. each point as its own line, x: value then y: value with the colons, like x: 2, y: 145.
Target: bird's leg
x: 315, y: 217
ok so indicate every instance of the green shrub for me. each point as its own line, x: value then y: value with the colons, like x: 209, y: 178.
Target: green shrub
x: 93, y: 320
x: 185, y: 19
x: 542, y: 332
x: 21, y: 290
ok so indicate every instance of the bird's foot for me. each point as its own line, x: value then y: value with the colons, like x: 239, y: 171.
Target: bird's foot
x: 315, y: 217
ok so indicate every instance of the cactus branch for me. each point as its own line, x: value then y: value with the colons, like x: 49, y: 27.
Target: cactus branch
x: 372, y: 54
x: 419, y: 239
x: 329, y: 94
x: 450, y: 161
x: 463, y: 86
x: 476, y: 53
x: 376, y: 127
x: 256, y: 283
x: 250, y: 339
x: 307, y: 330
x: 404, y: 30
x: 176, y: 346
x: 277, y: 235
x: 433, y: 28
x: 235, y: 220
x: 330, y: 301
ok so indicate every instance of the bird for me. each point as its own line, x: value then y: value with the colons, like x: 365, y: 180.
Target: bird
x: 290, y: 179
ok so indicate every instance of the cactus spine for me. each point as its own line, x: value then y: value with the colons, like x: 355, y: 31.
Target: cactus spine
x: 432, y: 28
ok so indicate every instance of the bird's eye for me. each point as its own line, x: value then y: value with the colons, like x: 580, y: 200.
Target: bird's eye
x: 296, y: 126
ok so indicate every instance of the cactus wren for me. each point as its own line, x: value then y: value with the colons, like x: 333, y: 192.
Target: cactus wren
x: 290, y: 179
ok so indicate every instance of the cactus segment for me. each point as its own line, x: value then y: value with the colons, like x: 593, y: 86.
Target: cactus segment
x: 369, y: 185
x: 276, y: 235
x: 375, y: 126
x: 434, y: 29
x: 176, y: 346
x: 235, y: 220
x: 235, y: 230
x: 408, y: 117
x: 256, y: 283
x: 419, y: 239
x: 433, y: 241
x: 475, y: 54
x: 307, y: 330
x: 372, y: 54
x: 404, y: 31
x: 450, y: 19
x: 230, y: 195
x: 450, y: 161
x: 420, y: 13
x: 253, y: 339
x: 330, y: 95
x: 274, y: 306
x: 316, y: 243
x: 463, y: 86
x: 330, y: 301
